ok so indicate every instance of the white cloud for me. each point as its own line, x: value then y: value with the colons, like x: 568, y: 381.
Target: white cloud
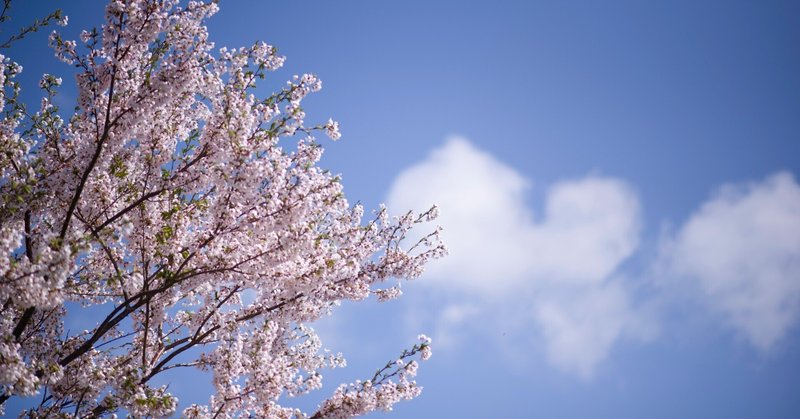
x: 482, y: 211
x: 589, y: 226
x: 583, y: 324
x: 451, y: 321
x: 554, y: 276
x: 742, y: 249
x: 559, y: 264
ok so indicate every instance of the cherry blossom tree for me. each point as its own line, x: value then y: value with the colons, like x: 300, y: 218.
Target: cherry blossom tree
x: 192, y: 219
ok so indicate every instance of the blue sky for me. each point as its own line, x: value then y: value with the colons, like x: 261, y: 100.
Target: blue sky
x: 618, y: 182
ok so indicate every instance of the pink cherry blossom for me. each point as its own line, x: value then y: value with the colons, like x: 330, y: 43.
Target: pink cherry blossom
x: 191, y: 216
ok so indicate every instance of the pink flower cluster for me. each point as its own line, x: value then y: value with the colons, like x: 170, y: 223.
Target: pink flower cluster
x: 171, y: 205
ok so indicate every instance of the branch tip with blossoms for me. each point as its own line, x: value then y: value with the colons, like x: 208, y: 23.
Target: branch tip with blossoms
x: 388, y: 386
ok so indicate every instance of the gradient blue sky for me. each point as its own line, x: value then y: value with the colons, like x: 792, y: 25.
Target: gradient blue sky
x: 580, y: 151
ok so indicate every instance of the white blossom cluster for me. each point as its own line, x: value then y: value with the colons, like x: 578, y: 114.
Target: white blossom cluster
x: 171, y: 203
x: 388, y: 386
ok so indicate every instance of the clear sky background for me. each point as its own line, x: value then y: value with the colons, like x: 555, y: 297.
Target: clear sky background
x: 618, y: 182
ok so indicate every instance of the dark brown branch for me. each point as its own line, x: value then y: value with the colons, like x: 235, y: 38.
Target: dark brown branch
x: 119, y: 313
x: 23, y: 322
x: 197, y: 338
x: 97, y: 151
x: 30, y: 311
x: 125, y: 210
x: 28, y: 237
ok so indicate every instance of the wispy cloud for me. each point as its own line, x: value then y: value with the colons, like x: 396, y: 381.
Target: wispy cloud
x: 557, y: 266
x: 740, y: 254
x: 483, y: 213
x: 557, y: 274
x: 582, y: 324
